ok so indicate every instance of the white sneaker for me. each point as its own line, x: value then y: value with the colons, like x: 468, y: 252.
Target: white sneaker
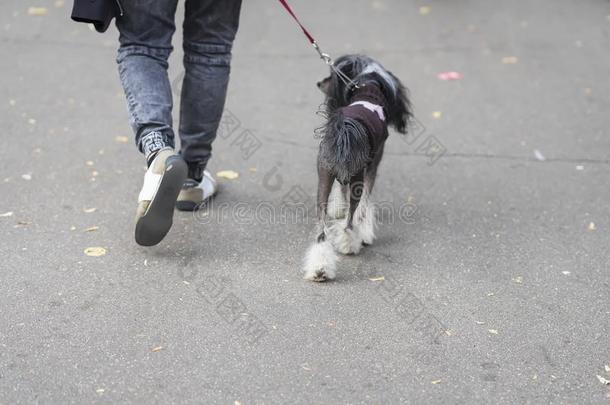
x: 156, y: 200
x: 194, y: 194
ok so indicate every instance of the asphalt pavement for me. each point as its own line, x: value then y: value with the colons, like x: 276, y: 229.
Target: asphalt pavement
x: 490, y: 279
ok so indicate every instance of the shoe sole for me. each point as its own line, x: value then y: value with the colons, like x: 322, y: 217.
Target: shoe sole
x: 152, y: 227
x: 188, y: 205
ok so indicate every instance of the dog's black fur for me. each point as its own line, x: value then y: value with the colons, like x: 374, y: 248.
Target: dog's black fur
x: 347, y: 152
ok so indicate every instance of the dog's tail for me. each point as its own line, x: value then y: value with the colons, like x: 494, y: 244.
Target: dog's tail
x: 345, y: 147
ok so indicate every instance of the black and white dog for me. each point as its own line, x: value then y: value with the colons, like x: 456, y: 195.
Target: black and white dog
x: 362, y: 100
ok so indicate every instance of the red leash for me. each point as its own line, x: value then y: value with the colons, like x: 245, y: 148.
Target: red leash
x: 324, y: 56
x: 289, y: 9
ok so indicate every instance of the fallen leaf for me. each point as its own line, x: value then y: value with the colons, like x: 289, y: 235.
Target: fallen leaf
x: 377, y: 5
x: 510, y: 60
x: 436, y: 381
x: 236, y: 403
x: 446, y: 76
x: 518, y: 280
x: 591, y: 226
x: 539, y: 155
x: 380, y: 278
x: 424, y: 10
x: 565, y: 273
x: 100, y: 390
x: 23, y: 223
x: 449, y: 332
x: 227, y: 174
x: 437, y: 114
x: 603, y: 380
x: 479, y: 323
x: 95, y: 251
x: 92, y: 229
x: 89, y: 210
x: 26, y: 176
x: 6, y: 214
x: 492, y: 331
x: 121, y: 139
x: 156, y: 349
x: 73, y: 228
x: 607, y: 367
x: 89, y: 163
x: 37, y: 10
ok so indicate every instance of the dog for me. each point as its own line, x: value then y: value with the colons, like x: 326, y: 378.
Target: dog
x: 362, y: 100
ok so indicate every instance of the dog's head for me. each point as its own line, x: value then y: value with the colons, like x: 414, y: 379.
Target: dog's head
x: 362, y: 70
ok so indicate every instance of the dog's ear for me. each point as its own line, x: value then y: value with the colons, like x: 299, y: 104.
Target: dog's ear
x: 324, y: 85
x: 399, y: 110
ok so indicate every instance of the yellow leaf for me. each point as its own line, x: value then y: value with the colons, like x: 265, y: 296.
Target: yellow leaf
x: 37, y: 10
x: 437, y: 381
x: 510, y: 60
x: 437, y: 114
x: 424, y: 10
x: 89, y: 210
x: 227, y: 174
x: 92, y: 228
x: 380, y: 278
x: 95, y: 251
x: 121, y: 139
x: 591, y: 226
x: 518, y: 280
x: 156, y: 349
x: 603, y: 380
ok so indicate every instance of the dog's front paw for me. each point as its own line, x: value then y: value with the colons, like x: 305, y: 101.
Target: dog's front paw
x: 346, y: 241
x: 320, y: 262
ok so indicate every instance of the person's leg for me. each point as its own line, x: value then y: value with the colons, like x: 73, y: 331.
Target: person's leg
x: 210, y: 27
x: 146, y: 30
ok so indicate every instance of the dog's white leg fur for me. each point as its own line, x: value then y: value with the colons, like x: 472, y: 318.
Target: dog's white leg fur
x: 365, y: 220
x: 320, y: 262
x: 337, y: 202
x: 345, y: 241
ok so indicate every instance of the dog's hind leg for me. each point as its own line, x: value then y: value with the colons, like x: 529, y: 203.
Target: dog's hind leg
x: 365, y: 216
x: 345, y: 238
x: 337, y: 202
x: 321, y: 259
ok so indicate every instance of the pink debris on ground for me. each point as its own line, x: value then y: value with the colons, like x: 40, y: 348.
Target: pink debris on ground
x: 450, y: 76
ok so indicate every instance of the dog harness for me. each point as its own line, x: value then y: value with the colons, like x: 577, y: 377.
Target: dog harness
x: 366, y: 107
x: 376, y: 108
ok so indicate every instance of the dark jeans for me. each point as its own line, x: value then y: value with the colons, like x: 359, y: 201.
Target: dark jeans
x: 146, y: 30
